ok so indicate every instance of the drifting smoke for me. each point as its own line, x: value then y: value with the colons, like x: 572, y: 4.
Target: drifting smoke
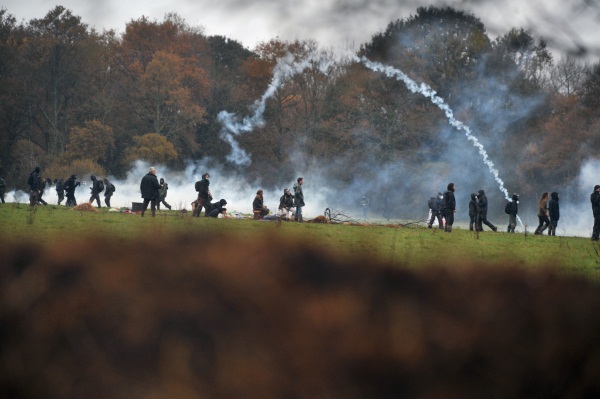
x: 286, y: 67
x: 427, y: 91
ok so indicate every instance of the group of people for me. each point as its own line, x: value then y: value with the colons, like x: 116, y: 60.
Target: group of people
x: 288, y: 204
x: 66, y: 188
x: 443, y: 208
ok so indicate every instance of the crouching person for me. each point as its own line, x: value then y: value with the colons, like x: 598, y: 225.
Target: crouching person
x: 286, y: 204
x: 216, y: 209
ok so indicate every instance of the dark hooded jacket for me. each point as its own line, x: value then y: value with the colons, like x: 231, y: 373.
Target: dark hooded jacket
x: 95, y: 185
x: 595, y: 200
x: 473, y: 206
x: 449, y: 201
x: 553, y: 207
x: 149, y: 186
x: 482, y: 202
x: 70, y: 184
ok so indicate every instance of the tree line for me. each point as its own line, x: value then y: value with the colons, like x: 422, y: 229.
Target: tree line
x: 75, y: 100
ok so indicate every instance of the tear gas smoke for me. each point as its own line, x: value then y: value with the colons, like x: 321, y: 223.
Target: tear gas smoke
x: 427, y: 91
x: 286, y: 67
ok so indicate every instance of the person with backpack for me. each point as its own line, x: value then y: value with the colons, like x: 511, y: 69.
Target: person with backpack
x: 162, y: 194
x: 34, y: 186
x: 512, y: 209
x: 149, y: 188
x: 482, y: 203
x: 449, y: 207
x: 299, y: 199
x: 70, y: 185
x: 435, y: 205
x: 60, y: 190
x: 109, y: 190
x: 97, y: 188
x: 554, y: 213
x: 43, y: 184
x: 595, y: 200
x: 473, y: 213
x: 204, y: 195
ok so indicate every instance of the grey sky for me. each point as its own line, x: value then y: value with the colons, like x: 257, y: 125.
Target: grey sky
x: 567, y: 25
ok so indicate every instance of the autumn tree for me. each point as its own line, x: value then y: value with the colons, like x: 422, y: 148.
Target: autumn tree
x: 152, y: 147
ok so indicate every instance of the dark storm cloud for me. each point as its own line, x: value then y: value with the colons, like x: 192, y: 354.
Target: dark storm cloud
x: 568, y: 26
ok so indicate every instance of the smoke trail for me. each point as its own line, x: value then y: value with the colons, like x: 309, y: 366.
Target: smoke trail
x: 427, y: 91
x: 286, y: 67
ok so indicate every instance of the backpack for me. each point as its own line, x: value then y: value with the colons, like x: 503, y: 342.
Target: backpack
x: 431, y: 203
x: 112, y: 186
x: 198, y: 185
x: 100, y: 186
x: 508, y: 208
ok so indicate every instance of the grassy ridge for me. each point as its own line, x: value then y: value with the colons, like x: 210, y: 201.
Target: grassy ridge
x: 412, y: 247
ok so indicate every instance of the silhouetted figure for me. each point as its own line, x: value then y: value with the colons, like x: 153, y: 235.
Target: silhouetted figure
x: 149, y: 187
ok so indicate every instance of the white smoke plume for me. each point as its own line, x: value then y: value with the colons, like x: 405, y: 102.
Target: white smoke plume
x: 285, y: 68
x: 427, y: 91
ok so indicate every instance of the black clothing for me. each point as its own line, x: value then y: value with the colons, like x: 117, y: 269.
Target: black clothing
x: 70, y: 185
x: 482, y: 202
x: 473, y: 213
x: 554, y: 212
x: 595, y: 200
x: 298, y: 195
x: 34, y: 187
x: 449, y: 208
x: 149, y: 187
x: 286, y: 201
x: 109, y: 189
x: 60, y: 190
x: 95, y: 192
x: 204, y: 197
x: 215, y: 209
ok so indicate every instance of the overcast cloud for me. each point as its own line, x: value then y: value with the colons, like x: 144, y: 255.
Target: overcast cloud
x: 567, y: 25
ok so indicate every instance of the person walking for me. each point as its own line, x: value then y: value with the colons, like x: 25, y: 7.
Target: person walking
x: 2, y: 189
x: 70, y: 185
x: 109, y: 190
x: 482, y: 202
x: 34, y: 186
x: 542, y: 214
x: 554, y: 213
x: 299, y: 198
x: 473, y: 213
x: 149, y: 188
x: 512, y: 209
x: 436, y: 206
x: 204, y: 195
x: 449, y: 207
x: 162, y: 194
x: 97, y: 188
x: 59, y: 186
x: 595, y: 200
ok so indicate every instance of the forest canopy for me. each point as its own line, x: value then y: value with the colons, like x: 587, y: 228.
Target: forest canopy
x: 74, y: 97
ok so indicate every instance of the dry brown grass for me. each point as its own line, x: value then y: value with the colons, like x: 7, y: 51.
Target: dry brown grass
x: 85, y: 207
x: 204, y: 317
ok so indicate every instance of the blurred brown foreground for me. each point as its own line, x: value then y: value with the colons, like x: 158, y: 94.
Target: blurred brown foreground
x: 204, y: 317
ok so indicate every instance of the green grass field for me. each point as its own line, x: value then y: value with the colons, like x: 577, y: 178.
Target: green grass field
x: 410, y: 247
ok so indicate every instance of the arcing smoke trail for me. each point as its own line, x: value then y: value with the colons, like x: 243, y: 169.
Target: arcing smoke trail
x: 285, y: 68
x: 427, y: 91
